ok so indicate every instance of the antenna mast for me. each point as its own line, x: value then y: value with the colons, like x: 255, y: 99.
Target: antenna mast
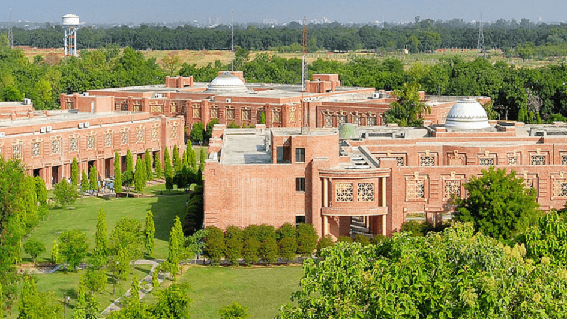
x: 480, y: 46
x: 232, y: 39
x: 10, y: 34
x: 304, y: 73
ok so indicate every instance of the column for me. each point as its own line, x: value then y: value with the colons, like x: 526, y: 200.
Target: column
x: 325, y: 192
x: 384, y: 225
x: 383, y: 205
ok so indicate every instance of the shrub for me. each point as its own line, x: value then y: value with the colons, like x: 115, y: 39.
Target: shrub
x: 34, y: 248
x: 214, y: 244
x: 233, y: 251
x: 416, y: 228
x: 233, y: 311
x: 306, y: 239
x: 287, y: 248
x: 269, y: 251
x: 363, y: 240
x: 250, y: 250
x: 234, y: 232
x: 344, y: 239
x: 378, y: 239
x: 286, y: 230
x: 324, y: 242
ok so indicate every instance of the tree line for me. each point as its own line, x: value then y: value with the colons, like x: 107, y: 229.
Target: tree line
x: 422, y: 35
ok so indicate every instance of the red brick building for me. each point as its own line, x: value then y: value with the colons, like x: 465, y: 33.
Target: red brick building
x: 377, y: 176
x: 47, y: 141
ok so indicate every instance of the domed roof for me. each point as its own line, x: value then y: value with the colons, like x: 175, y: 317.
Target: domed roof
x: 226, y: 82
x: 467, y: 114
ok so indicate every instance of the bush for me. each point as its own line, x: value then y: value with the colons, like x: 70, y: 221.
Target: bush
x: 250, y: 250
x: 287, y: 249
x: 233, y: 250
x: 416, y: 228
x: 363, y: 240
x: 306, y: 239
x: 197, y: 132
x: 214, y: 244
x: 269, y: 251
x: 324, y: 242
x: 65, y: 193
x: 286, y: 230
x: 344, y: 239
x: 234, y: 232
x: 233, y: 311
x: 378, y: 239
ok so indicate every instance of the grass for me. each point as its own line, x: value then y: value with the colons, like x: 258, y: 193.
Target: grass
x: 262, y: 289
x: 84, y: 218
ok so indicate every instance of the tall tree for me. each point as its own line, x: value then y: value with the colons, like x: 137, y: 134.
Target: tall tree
x: 168, y: 170
x: 74, y: 172
x: 129, y: 162
x: 101, y: 236
x: 177, y: 162
x: 93, y: 178
x: 498, y: 204
x: 202, y: 159
x: 140, y: 176
x: 41, y: 191
x: 408, y: 109
x: 74, y: 245
x: 191, y: 156
x: 176, y: 246
x: 157, y: 164
x: 149, y: 231
x: 148, y: 160
x: 84, y: 182
x: 65, y: 194
x: 117, y: 174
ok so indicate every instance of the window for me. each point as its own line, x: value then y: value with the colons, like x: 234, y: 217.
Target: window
x: 214, y: 113
x: 174, y: 131
x: 36, y: 148
x: 299, y: 220
x: 196, y: 112
x: 137, y: 106
x: 246, y: 115
x: 300, y: 155
x: 73, y: 141
x: 55, y: 146
x: 156, y: 108
x: 108, y: 139
x: 560, y: 187
x: 356, y: 119
x: 400, y: 160
x: 154, y: 133
x: 452, y: 187
x: 17, y: 151
x: 563, y: 159
x: 365, y: 192
x: 139, y: 134
x: 427, y: 161
x: 328, y: 120
x: 124, y: 137
x: 292, y: 115
x: 173, y: 107
x: 537, y: 160
x: 513, y: 160
x: 371, y: 121
x: 230, y: 114
x: 300, y: 184
x: 343, y: 192
x: 341, y: 120
x: 276, y: 116
x: 415, y: 189
x: 486, y: 161
x: 90, y: 141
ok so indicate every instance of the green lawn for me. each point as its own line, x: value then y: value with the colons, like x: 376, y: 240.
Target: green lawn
x: 262, y: 289
x: 84, y: 218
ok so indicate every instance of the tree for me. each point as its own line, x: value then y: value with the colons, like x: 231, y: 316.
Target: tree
x: 202, y: 159
x: 33, y: 305
x: 93, y: 178
x: 407, y: 110
x: 287, y: 248
x: 140, y: 176
x: 55, y: 252
x: 177, y: 162
x: 2, y: 303
x: 33, y: 248
x: 548, y: 238
x: 129, y: 162
x: 469, y: 270
x: 148, y: 160
x: 149, y: 232
x: 168, y: 170
x: 101, y: 237
x: 233, y: 311
x: 65, y: 193
x: 269, y: 250
x: 214, y: 244
x: 41, y: 191
x: 306, y: 239
x: 210, y: 126
x: 498, y: 204
x: 95, y: 279
x: 128, y: 237
x: 324, y: 242
x: 250, y: 249
x: 191, y: 157
x: 172, y: 302
x: 197, y: 132
x: 117, y: 174
x: 84, y: 182
x: 74, y: 172
x: 29, y: 203
x: 73, y: 247
x: 157, y: 164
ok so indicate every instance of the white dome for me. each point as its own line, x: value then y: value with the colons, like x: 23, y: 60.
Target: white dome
x: 467, y: 114
x: 226, y: 82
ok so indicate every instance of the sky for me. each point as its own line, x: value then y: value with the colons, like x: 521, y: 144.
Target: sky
x: 138, y: 11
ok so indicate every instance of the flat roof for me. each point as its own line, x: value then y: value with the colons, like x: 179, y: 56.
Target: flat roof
x: 40, y: 118
x: 249, y: 147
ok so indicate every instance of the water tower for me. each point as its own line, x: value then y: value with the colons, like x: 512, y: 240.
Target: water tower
x: 71, y: 24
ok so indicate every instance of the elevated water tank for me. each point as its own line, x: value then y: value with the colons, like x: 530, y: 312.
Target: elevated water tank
x: 70, y: 20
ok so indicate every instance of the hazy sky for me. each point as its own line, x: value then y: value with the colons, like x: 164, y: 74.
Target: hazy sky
x: 122, y: 11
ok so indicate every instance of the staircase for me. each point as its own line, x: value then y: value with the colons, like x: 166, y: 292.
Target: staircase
x: 357, y: 226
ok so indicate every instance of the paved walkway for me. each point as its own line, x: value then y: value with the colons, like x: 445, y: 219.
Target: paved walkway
x: 145, y: 285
